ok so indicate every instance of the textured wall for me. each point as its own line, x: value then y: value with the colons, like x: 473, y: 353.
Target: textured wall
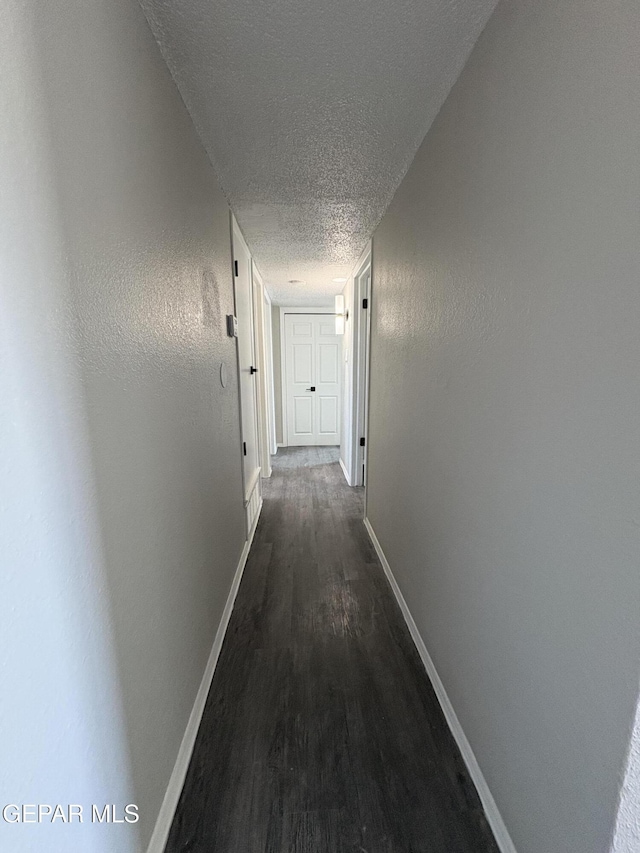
x: 504, y: 433
x: 120, y: 480
x: 311, y: 113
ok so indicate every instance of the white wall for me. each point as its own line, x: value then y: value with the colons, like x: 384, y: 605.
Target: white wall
x: 120, y: 487
x: 504, y: 430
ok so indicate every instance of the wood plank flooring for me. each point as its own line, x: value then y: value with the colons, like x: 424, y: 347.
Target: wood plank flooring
x: 322, y: 733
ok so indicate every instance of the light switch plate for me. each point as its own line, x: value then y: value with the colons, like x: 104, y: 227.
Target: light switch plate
x: 232, y: 326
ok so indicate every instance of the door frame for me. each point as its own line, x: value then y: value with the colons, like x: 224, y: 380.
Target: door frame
x: 249, y: 490
x: 264, y: 371
x: 271, y: 390
x: 326, y: 309
x: 361, y: 348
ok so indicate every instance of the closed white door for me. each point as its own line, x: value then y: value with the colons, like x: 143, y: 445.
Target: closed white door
x: 312, y: 376
x: 246, y: 363
x: 364, y: 331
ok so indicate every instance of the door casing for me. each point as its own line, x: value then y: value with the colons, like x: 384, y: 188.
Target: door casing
x: 247, y: 393
x: 362, y: 287
x: 327, y: 309
x: 264, y: 381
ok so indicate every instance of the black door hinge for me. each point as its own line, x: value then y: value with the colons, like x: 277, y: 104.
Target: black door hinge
x: 362, y: 442
x: 244, y: 448
x: 365, y: 303
x: 235, y: 267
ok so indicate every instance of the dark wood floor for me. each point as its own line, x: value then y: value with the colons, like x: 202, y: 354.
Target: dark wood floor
x: 322, y: 733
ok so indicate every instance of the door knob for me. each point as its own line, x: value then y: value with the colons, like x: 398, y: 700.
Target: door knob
x: 253, y: 370
x: 313, y: 388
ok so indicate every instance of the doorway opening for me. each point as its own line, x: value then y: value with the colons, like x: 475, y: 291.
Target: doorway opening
x: 323, y: 375
x: 361, y: 369
x: 311, y: 377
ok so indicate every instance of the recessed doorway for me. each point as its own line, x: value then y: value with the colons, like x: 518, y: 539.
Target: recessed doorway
x: 312, y: 360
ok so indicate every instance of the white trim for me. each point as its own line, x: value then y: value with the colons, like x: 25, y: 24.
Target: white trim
x: 253, y: 506
x: 176, y: 780
x: 240, y: 236
x: 301, y: 309
x: 283, y: 384
x: 252, y: 484
x: 357, y: 344
x: 271, y: 392
x: 249, y: 542
x: 361, y: 344
x: 344, y: 471
x: 254, y: 439
x: 493, y: 816
x: 262, y: 383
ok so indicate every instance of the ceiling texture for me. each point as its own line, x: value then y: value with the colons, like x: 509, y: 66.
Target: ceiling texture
x: 311, y: 112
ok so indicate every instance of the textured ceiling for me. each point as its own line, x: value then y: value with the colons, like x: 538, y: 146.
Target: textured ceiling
x: 311, y: 111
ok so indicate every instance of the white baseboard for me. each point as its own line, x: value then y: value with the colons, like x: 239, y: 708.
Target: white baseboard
x: 176, y: 781
x: 253, y: 504
x: 282, y: 445
x: 494, y: 817
x: 345, y: 472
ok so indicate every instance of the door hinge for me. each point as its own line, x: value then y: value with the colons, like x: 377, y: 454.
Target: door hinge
x: 362, y: 442
x: 365, y: 303
x: 235, y: 267
x: 244, y: 448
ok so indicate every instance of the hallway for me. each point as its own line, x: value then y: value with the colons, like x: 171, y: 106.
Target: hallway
x: 232, y: 233
x: 321, y: 731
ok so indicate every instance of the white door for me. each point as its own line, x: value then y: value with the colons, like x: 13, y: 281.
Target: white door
x: 246, y: 363
x: 364, y: 288
x: 312, y: 376
x: 261, y: 378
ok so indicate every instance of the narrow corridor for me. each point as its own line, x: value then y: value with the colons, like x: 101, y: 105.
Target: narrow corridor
x: 321, y: 732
